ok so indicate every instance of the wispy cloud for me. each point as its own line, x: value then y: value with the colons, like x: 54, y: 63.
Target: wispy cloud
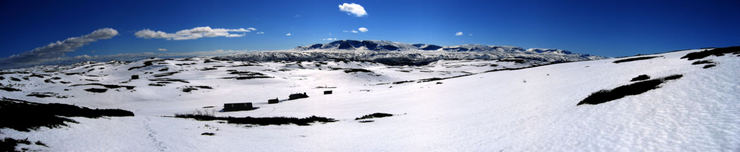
x: 162, y: 49
x: 329, y: 39
x: 352, y: 8
x: 194, y: 33
x: 288, y: 34
x: 362, y: 29
x: 56, y: 50
x: 260, y: 32
x: 459, y: 34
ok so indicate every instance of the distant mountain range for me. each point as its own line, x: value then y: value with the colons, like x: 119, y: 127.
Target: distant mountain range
x: 395, y: 53
x: 379, y: 45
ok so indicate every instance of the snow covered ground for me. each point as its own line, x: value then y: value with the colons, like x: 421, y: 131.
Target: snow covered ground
x: 532, y: 109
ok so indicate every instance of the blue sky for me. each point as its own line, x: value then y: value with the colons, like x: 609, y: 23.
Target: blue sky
x: 607, y: 28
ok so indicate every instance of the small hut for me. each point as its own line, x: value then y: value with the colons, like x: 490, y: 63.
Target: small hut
x: 297, y: 96
x: 273, y: 101
x: 238, y: 106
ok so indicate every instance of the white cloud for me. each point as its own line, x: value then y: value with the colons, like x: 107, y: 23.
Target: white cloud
x: 161, y: 49
x: 260, y: 32
x: 459, y: 34
x: 358, y: 30
x: 288, y: 34
x: 56, y: 50
x: 194, y: 33
x: 329, y: 39
x: 352, y: 8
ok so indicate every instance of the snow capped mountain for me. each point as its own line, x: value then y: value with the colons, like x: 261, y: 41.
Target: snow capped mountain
x: 380, y: 45
x: 374, y: 45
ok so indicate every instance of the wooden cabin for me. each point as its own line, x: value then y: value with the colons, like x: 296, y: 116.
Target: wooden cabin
x: 297, y: 96
x: 273, y: 101
x: 238, y: 106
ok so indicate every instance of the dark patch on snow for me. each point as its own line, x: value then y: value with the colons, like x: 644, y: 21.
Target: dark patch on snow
x: 74, y: 73
x: 515, y: 60
x: 182, y: 64
x: 208, y: 61
x: 635, y: 59
x: 374, y: 115
x: 444, y: 78
x: 709, y: 66
x: 157, y: 84
x: 146, y: 64
x: 715, y: 52
x: 165, y: 74
x: 96, y: 90
x: 40, y: 144
x: 245, y: 65
x: 9, y: 144
x: 45, y: 95
x: 109, y: 86
x: 9, y: 89
x: 208, y: 134
x: 191, y: 88
x: 353, y: 70
x: 401, y: 61
x: 14, y: 79
x: 36, y: 75
x: 169, y: 80
x: 640, y: 78
x: 25, y: 116
x: 208, y: 69
x: 262, y: 121
x: 245, y: 75
x: 626, y: 90
x: 15, y: 72
x: 248, y: 73
x: 702, y: 62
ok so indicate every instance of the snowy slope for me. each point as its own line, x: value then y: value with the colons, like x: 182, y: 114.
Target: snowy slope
x: 532, y: 109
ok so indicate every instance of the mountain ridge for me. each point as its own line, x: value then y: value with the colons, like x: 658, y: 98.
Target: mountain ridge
x: 384, y: 45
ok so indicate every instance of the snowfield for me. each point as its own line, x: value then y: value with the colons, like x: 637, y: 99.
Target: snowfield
x: 474, y: 109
